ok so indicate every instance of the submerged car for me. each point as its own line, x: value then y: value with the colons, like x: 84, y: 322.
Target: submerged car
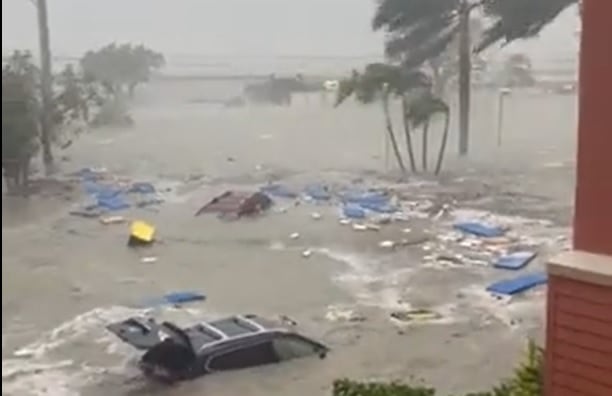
x: 174, y: 354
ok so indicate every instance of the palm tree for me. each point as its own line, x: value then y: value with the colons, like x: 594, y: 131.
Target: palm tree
x: 384, y: 82
x: 419, y: 112
x: 421, y: 30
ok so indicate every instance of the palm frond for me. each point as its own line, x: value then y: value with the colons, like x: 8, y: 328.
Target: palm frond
x: 519, y: 19
x: 422, y: 107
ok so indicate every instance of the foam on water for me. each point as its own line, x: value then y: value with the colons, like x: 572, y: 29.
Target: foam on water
x: 505, y: 309
x: 367, y: 280
x: 33, y: 372
x: 73, y: 329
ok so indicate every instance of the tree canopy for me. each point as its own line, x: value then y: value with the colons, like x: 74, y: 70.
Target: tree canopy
x: 419, y: 30
x: 72, y: 98
x: 121, y: 67
x: 519, y: 19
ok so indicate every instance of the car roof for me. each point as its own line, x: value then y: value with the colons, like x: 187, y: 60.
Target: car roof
x: 230, y: 329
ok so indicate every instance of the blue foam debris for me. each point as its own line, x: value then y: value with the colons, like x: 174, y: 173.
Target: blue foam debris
x: 86, y: 174
x: 356, y: 196
x: 515, y: 261
x: 380, y: 207
x: 142, y: 188
x: 371, y: 200
x: 176, y: 298
x: 519, y: 284
x: 480, y: 229
x: 353, y: 211
x: 112, y: 203
x: 279, y: 190
x: 318, y: 192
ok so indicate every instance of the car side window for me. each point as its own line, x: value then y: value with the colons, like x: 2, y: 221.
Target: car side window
x: 292, y: 346
x: 248, y: 356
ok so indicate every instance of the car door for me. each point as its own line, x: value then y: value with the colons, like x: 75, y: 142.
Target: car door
x: 243, y: 356
x: 141, y: 333
x: 293, y: 346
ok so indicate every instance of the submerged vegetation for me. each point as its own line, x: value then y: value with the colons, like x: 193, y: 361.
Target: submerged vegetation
x: 79, y: 98
x: 527, y: 380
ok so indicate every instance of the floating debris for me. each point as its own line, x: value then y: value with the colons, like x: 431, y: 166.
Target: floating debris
x: 387, y: 244
x: 415, y: 315
x: 148, y: 260
x: 360, y: 227
x: 112, y: 220
x: 316, y: 216
x: 295, y: 235
x: 141, y: 233
x: 307, y: 253
x: 237, y: 204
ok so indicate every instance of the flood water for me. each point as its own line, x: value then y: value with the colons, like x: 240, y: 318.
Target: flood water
x: 65, y: 277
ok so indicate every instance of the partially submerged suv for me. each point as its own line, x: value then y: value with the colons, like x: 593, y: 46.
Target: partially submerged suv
x: 174, y: 354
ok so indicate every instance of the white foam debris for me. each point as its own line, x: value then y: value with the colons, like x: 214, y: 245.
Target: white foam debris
x: 75, y: 328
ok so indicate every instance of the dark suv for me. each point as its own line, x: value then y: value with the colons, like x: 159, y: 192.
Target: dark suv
x: 174, y: 353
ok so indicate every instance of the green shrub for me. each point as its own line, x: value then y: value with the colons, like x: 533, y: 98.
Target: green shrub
x: 527, y: 380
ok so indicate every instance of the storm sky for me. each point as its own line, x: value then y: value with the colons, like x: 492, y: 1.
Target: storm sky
x: 225, y: 27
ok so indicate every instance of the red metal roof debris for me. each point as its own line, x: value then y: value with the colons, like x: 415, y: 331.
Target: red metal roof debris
x: 237, y: 203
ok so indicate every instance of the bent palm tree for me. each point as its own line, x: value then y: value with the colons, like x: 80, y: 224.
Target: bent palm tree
x: 421, y: 30
x: 383, y: 81
x: 420, y: 110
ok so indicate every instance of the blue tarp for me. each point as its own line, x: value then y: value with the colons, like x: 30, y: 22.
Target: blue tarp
x: 112, y: 198
x: 480, y: 229
x: 518, y: 284
x: 112, y: 203
x: 175, y: 298
x: 353, y: 211
x: 375, y: 201
x: 318, y: 192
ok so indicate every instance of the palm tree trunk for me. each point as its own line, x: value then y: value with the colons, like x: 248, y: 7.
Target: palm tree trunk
x: 424, y: 148
x: 389, y: 127
x: 465, y: 69
x: 443, y: 143
x: 409, y: 147
x: 46, y: 125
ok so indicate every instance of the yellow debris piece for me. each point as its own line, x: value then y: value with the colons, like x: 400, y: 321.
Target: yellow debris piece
x: 142, y: 231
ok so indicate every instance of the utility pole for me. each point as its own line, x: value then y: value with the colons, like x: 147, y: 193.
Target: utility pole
x: 465, y: 71
x: 46, y: 124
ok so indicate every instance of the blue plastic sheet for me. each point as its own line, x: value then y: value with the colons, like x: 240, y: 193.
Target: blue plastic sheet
x: 175, y: 298
x: 112, y: 203
x: 480, y: 229
x: 371, y: 200
x: 318, y: 192
x: 519, y: 284
x: 353, y: 211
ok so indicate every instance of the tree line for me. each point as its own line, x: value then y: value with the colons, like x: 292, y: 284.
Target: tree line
x: 80, y: 96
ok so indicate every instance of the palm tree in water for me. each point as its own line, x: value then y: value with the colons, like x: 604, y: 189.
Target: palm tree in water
x: 386, y: 83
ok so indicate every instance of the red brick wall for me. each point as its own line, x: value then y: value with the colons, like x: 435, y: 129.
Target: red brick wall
x: 579, y: 339
x: 593, y: 218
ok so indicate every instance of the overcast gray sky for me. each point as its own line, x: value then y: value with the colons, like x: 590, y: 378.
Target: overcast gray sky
x: 223, y: 27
